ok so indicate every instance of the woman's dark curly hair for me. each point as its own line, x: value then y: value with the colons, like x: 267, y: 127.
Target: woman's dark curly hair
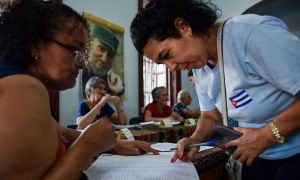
x: 156, y: 20
x: 25, y: 21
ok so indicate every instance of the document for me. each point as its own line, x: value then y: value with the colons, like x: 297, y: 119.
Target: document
x: 158, y: 123
x: 126, y: 126
x: 143, y: 167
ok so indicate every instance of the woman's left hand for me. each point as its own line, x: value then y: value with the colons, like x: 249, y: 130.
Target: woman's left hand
x: 115, y: 100
x: 124, y: 147
x: 251, y: 144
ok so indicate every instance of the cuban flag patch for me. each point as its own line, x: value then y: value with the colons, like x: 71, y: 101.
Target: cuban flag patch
x: 240, y: 99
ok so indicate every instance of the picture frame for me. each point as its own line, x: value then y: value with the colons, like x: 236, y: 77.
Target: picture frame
x: 106, y: 55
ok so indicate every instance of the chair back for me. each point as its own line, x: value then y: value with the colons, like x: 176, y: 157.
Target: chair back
x: 73, y: 126
x: 136, y: 120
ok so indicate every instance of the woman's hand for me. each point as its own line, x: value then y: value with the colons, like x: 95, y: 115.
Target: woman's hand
x: 183, y: 154
x: 98, y: 137
x: 171, y: 118
x: 251, y: 144
x: 124, y: 147
x: 115, y: 100
x: 104, y: 99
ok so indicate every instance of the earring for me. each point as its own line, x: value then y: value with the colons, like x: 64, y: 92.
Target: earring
x: 193, y: 34
x: 37, y: 57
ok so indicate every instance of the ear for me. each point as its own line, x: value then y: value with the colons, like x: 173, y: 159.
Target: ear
x: 34, y: 49
x: 182, y: 26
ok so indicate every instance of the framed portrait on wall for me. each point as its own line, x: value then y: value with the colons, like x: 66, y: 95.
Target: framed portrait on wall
x: 106, y: 56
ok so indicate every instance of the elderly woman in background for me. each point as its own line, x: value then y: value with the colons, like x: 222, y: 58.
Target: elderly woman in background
x: 96, y: 105
x: 158, y: 110
x: 261, y: 66
x: 42, y: 48
x: 184, y: 99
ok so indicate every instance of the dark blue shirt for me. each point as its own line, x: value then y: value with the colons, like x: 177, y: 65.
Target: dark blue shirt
x: 83, y: 109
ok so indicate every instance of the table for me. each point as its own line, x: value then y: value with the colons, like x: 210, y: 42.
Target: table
x: 209, y: 163
x: 162, y: 134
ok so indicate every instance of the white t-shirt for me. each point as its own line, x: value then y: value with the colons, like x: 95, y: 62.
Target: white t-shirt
x: 262, y: 75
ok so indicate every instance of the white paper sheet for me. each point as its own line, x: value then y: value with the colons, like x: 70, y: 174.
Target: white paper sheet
x: 158, y: 123
x: 143, y: 167
x: 126, y: 126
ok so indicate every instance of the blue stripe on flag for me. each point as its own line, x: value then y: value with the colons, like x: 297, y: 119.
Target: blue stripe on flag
x: 243, y: 91
x: 241, y: 105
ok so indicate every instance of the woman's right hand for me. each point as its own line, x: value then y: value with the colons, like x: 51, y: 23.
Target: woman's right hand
x: 181, y: 153
x: 104, y: 99
x: 99, y: 136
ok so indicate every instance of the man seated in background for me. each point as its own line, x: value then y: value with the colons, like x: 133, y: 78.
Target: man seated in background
x: 184, y: 99
x: 191, y: 77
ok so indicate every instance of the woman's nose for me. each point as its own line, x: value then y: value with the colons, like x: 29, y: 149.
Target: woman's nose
x: 171, y: 65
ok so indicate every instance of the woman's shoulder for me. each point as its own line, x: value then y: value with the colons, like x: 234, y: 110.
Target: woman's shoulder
x: 21, y: 83
x: 150, y: 105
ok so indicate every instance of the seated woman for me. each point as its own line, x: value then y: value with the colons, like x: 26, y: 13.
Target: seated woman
x: 44, y: 52
x: 184, y: 99
x: 96, y: 105
x: 158, y: 110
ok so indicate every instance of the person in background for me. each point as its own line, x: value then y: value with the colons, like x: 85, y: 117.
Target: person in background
x: 184, y: 99
x: 262, y: 73
x: 42, y: 48
x: 158, y: 110
x: 191, y: 77
x: 103, y: 52
x: 96, y: 107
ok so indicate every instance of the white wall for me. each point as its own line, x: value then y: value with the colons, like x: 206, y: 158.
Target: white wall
x: 121, y: 12
x: 231, y: 8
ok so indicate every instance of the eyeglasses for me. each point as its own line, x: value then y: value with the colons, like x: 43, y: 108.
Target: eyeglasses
x: 79, y: 56
x: 102, y: 88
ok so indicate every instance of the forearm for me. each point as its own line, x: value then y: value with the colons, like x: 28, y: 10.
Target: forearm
x: 71, y: 135
x: 192, y: 112
x: 288, y: 121
x: 122, y: 117
x: 176, y: 116
x: 204, y: 125
x: 87, y: 119
x: 154, y: 119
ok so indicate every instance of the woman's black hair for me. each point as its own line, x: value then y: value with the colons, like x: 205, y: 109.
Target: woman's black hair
x: 24, y: 22
x: 156, y: 20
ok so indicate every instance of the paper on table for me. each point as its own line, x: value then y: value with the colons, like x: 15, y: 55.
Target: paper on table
x: 158, y: 123
x: 168, y: 146
x: 146, y: 123
x: 146, y: 167
x: 125, y: 126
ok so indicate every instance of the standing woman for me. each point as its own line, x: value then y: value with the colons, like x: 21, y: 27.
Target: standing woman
x: 96, y: 106
x: 159, y: 110
x: 42, y: 48
x: 262, y: 73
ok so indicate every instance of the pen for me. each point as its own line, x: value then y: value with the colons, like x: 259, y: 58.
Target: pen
x: 209, y: 143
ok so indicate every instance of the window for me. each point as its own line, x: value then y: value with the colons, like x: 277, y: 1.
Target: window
x: 154, y: 75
